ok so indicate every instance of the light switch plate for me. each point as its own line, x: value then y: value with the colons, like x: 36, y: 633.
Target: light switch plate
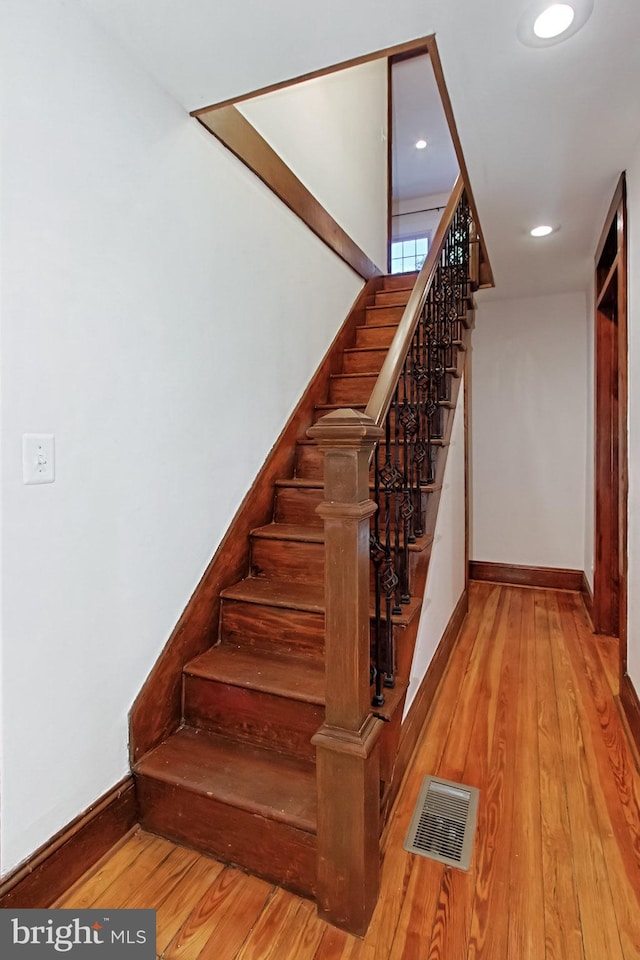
x: 38, y: 458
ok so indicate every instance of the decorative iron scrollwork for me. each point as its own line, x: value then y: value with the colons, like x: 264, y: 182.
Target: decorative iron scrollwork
x: 413, y: 422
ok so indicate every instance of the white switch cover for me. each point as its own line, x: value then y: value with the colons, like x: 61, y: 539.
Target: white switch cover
x: 38, y: 458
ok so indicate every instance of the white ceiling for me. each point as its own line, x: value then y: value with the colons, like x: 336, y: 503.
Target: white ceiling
x: 545, y: 132
x: 418, y: 114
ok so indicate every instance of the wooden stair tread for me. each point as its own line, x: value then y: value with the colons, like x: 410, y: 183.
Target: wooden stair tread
x: 295, y: 678
x: 290, y: 531
x: 303, y: 483
x: 254, y: 779
x: 393, y: 697
x: 304, y: 596
x: 278, y: 593
x: 399, y: 289
x: 306, y: 534
x: 366, y: 349
x: 389, y: 306
x: 377, y: 326
x: 340, y: 406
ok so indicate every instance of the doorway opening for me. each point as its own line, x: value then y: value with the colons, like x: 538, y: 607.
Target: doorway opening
x: 423, y: 165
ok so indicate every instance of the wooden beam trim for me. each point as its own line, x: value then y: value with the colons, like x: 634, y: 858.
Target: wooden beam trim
x: 409, y: 48
x: 66, y: 856
x: 412, y: 48
x: 233, y: 130
x: 551, y: 578
x: 619, y: 197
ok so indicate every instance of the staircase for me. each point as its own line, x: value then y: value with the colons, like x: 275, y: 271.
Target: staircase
x: 237, y: 778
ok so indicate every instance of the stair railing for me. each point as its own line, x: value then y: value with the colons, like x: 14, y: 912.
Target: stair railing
x: 408, y: 402
x: 397, y: 432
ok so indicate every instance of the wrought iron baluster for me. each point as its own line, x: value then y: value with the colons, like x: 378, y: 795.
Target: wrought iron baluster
x: 405, y: 461
x: 397, y: 496
x: 377, y: 557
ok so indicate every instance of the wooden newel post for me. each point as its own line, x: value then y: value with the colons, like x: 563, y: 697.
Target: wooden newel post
x: 347, y: 759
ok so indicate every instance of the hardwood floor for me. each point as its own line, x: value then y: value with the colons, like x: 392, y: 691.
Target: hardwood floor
x: 526, y: 712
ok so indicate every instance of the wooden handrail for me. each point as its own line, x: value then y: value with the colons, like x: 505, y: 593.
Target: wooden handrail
x: 382, y: 394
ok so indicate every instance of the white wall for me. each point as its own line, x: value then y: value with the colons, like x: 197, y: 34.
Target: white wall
x: 633, y: 212
x: 529, y: 431
x: 446, y: 577
x: 161, y: 313
x: 423, y: 222
x: 332, y: 132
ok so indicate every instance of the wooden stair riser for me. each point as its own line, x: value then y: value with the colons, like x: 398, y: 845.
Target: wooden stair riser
x: 265, y: 627
x: 309, y: 462
x: 366, y: 361
x: 298, y: 505
x: 353, y: 389
x: 395, y: 281
x: 241, y: 713
x: 276, y: 851
x: 392, y: 297
x: 374, y: 316
x: 292, y: 560
x: 375, y: 336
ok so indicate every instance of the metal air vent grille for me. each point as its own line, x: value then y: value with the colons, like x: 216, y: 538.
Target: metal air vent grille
x: 443, y: 822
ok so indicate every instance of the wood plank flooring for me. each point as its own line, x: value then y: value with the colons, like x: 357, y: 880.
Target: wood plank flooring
x: 526, y: 712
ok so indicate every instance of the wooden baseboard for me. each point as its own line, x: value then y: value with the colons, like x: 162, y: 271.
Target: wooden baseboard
x: 419, y: 709
x: 631, y: 706
x: 58, y: 863
x: 552, y: 578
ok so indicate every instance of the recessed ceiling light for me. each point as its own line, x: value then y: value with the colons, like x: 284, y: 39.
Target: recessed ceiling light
x: 544, y: 23
x: 553, y: 21
x: 542, y: 231
x: 421, y: 144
